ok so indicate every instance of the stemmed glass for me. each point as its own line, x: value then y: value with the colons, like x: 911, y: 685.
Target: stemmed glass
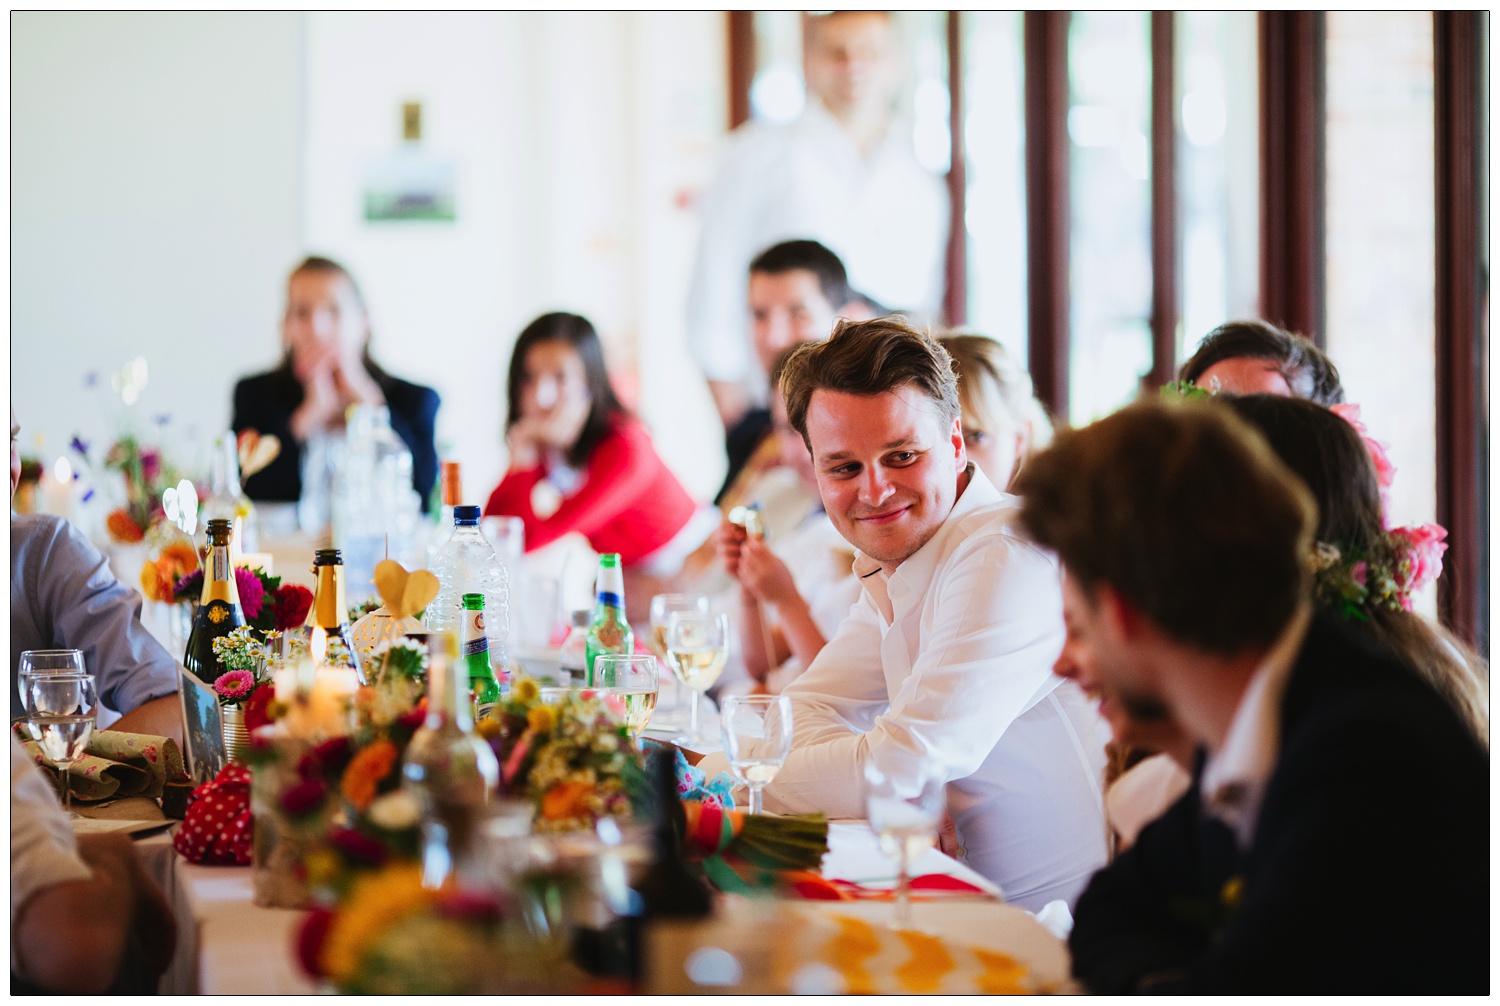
x: 905, y: 805
x: 662, y: 606
x: 757, y: 739
x: 62, y: 707
x: 635, y: 680
x: 60, y: 662
x: 697, y: 648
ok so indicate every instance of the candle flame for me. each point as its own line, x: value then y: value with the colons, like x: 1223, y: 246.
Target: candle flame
x: 318, y: 645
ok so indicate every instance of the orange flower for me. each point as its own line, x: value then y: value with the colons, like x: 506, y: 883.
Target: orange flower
x: 179, y: 558
x: 565, y: 801
x: 365, y: 772
x: 160, y: 575
x: 156, y: 582
x: 122, y: 528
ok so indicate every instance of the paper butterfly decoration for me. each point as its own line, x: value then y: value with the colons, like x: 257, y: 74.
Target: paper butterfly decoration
x: 256, y: 451
x: 181, y: 506
x: 401, y: 592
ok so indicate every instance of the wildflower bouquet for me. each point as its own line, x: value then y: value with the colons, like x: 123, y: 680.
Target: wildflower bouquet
x: 268, y: 604
x: 243, y: 655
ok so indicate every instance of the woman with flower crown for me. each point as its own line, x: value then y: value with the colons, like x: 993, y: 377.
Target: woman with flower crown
x: 1364, y: 572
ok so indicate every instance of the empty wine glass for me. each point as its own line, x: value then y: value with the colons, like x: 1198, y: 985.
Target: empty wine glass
x: 757, y: 739
x: 904, y: 801
x: 697, y: 647
x: 61, y: 662
x: 635, y: 679
x: 62, y: 707
x: 662, y: 606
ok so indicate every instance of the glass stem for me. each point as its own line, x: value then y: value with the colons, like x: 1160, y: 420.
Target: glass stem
x: 754, y: 799
x: 693, y: 730
x: 903, y: 892
x: 67, y: 781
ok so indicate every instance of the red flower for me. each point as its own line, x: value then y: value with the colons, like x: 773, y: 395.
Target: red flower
x: 290, y: 603
x: 360, y: 849
x: 467, y: 906
x: 310, y: 939
x: 252, y: 591
x: 303, y: 798
x: 257, y: 705
x: 413, y: 718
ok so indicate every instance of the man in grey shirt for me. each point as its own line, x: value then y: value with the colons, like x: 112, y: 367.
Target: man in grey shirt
x: 64, y: 596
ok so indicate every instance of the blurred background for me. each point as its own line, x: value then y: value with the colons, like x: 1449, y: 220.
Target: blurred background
x: 1120, y: 183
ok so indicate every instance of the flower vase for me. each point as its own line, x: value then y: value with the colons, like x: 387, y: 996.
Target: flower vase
x: 180, y: 624
x: 236, y: 737
x: 280, y: 847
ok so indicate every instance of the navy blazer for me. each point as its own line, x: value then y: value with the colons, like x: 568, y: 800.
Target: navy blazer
x: 1368, y: 870
x: 265, y: 403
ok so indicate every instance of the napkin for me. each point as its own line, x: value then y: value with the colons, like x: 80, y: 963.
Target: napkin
x: 217, y: 829
x: 117, y: 764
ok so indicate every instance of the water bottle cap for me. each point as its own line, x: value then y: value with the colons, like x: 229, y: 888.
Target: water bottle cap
x: 466, y: 516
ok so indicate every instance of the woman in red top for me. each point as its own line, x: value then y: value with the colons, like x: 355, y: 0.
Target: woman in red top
x: 578, y: 461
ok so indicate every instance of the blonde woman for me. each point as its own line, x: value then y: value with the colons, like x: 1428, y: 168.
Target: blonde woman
x: 1003, y: 422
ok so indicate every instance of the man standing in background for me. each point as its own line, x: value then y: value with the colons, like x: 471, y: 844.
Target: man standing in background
x: 844, y: 174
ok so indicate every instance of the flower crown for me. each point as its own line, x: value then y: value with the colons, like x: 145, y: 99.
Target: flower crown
x: 1397, y: 564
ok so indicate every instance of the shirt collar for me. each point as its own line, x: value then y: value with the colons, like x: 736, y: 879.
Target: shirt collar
x: 917, y: 569
x: 1235, y: 778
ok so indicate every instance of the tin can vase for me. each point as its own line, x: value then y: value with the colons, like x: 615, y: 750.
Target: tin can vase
x: 236, y: 737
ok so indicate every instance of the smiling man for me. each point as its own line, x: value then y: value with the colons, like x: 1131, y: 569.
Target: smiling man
x: 945, y: 660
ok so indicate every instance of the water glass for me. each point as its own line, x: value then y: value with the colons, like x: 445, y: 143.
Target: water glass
x: 697, y: 648
x: 904, y: 802
x: 634, y: 679
x: 48, y: 662
x: 62, y: 708
x: 757, y: 739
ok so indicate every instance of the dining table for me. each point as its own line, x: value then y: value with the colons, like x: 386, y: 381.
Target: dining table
x: 228, y: 945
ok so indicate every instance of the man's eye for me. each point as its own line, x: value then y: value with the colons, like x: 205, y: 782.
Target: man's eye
x: 903, y: 457
x: 844, y: 471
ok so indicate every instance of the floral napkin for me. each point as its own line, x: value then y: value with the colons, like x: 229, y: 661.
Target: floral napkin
x: 117, y: 764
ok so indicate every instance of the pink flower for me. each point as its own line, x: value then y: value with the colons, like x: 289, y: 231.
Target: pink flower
x: 1424, y: 552
x: 1385, y: 472
x: 150, y: 465
x: 517, y: 756
x: 234, y: 684
x: 252, y: 591
x: 1359, y: 573
x: 303, y: 797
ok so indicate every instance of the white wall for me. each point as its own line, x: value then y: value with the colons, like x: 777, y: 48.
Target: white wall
x: 156, y: 204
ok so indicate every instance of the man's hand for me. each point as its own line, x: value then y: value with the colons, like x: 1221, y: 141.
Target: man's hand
x: 160, y: 717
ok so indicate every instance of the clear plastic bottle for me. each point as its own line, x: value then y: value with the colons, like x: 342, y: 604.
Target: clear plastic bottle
x: 572, y: 657
x: 226, y: 500
x: 375, y: 507
x: 467, y: 564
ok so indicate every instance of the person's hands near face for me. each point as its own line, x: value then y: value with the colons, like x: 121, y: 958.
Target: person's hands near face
x: 555, y: 399
x: 764, y: 575
x: 729, y: 542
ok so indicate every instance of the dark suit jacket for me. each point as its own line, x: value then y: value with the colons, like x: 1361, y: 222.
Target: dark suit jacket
x: 1368, y: 870
x: 265, y: 403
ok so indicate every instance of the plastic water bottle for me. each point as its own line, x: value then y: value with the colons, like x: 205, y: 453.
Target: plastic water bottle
x: 467, y: 564
x: 373, y: 500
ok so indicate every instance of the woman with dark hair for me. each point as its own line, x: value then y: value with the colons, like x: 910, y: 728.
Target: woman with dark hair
x: 325, y: 368
x: 579, y: 462
x: 1255, y: 357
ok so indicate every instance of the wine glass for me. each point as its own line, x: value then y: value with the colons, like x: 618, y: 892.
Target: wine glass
x: 757, y: 739
x: 49, y: 662
x: 635, y: 680
x: 905, y: 805
x: 662, y: 606
x: 62, y: 708
x: 697, y: 648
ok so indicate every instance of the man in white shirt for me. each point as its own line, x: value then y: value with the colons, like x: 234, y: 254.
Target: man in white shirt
x: 843, y: 174
x: 945, y: 661
x: 1336, y: 836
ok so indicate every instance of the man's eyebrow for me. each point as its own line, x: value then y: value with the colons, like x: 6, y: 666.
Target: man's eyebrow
x: 840, y: 455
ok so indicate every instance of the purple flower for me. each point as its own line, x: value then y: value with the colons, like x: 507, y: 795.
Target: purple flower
x: 80, y: 445
x: 189, y: 586
x: 234, y: 684
x: 150, y: 465
x: 162, y: 418
x: 252, y: 591
x: 91, y: 378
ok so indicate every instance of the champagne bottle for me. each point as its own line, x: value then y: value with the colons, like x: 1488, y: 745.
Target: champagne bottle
x: 483, y: 687
x: 609, y: 632
x: 330, y: 609
x: 219, y: 611
x: 452, y: 772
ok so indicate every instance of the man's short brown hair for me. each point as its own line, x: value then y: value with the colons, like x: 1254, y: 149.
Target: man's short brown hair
x: 1184, y: 511
x: 869, y: 358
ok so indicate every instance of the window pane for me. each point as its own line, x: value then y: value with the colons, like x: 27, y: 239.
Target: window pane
x: 1380, y: 238
x: 995, y: 213
x: 1109, y: 125
x: 1217, y: 162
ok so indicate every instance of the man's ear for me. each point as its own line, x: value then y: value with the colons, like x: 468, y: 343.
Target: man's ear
x: 1125, y: 620
x: 961, y: 453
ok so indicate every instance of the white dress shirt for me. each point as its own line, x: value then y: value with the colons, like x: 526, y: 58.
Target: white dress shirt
x: 885, y: 216
x: 959, y: 674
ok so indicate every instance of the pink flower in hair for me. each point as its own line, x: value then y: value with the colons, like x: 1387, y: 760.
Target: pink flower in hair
x: 1424, y: 558
x: 1360, y: 573
x: 1385, y: 472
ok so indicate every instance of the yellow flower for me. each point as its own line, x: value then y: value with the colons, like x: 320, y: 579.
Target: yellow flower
x: 524, y: 690
x: 375, y: 903
x: 322, y: 866
x: 541, y: 719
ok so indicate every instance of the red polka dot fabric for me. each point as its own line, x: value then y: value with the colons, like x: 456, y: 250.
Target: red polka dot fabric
x: 217, y: 829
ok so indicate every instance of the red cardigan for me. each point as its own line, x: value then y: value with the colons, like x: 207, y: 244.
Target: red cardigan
x: 629, y: 501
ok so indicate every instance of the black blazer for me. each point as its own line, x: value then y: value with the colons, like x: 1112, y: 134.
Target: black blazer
x: 265, y: 403
x: 1368, y: 870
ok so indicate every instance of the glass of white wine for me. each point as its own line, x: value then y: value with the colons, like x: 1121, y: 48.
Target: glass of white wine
x: 697, y: 648
x: 904, y: 801
x: 635, y: 679
x: 757, y: 739
x: 62, y: 708
x: 669, y: 706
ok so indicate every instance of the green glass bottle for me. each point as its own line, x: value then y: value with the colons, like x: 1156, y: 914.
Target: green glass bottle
x: 609, y: 632
x: 483, y: 687
x: 219, y: 611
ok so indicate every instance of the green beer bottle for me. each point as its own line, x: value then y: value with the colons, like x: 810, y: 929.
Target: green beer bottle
x: 609, y: 632
x: 483, y: 688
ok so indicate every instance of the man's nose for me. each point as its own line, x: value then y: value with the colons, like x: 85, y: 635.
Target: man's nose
x: 875, y: 487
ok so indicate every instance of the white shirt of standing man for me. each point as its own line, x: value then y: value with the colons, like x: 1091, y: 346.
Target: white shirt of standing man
x: 946, y: 658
